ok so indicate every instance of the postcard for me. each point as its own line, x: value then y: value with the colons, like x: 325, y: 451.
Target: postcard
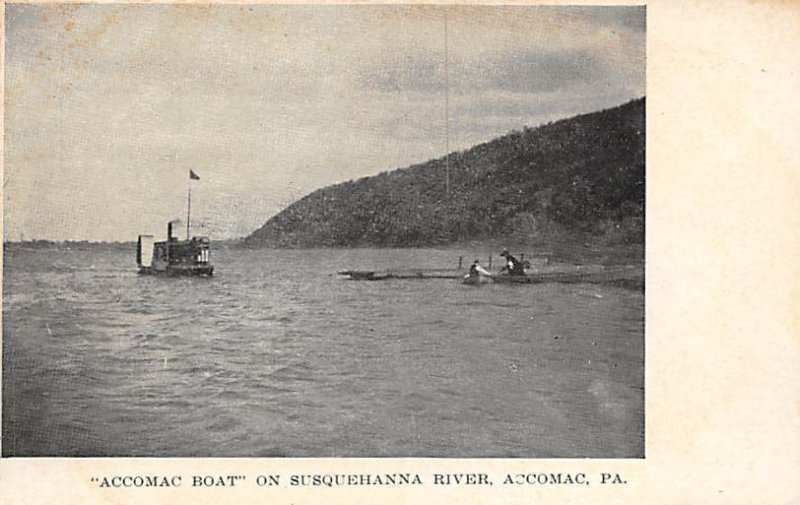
x: 399, y: 253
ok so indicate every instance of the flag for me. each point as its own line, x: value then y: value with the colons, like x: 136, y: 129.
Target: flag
x: 193, y: 176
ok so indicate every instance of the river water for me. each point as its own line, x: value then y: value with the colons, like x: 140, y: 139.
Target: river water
x: 276, y: 355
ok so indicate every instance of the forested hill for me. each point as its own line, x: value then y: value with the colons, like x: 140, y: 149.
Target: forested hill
x: 582, y: 176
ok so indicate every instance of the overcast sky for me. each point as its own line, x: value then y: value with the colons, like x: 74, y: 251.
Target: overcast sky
x: 109, y: 106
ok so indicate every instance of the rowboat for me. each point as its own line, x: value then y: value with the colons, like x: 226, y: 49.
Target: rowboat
x: 474, y: 280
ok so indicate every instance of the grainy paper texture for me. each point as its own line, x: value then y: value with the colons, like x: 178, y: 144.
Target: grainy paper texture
x: 722, y: 345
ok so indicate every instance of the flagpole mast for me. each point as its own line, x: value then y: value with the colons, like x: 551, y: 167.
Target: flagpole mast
x: 446, y: 109
x: 189, y: 210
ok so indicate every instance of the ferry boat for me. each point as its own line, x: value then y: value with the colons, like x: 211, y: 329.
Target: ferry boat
x: 173, y: 257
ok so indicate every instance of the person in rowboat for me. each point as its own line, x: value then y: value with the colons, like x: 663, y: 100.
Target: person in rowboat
x: 513, y: 265
x: 477, y: 274
x: 477, y: 270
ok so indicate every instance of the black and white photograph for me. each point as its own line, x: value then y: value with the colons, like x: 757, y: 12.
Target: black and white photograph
x: 324, y: 231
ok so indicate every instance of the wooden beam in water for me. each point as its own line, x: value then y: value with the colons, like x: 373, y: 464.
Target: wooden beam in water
x: 376, y: 275
x: 623, y: 277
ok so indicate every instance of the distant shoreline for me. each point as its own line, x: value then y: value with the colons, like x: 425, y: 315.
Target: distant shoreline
x: 587, y: 251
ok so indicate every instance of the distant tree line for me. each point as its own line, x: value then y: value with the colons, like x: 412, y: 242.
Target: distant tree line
x: 73, y: 244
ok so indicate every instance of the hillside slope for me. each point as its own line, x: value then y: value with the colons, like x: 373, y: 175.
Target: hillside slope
x: 583, y: 176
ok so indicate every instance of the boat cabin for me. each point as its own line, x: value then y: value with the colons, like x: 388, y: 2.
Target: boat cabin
x: 174, y: 257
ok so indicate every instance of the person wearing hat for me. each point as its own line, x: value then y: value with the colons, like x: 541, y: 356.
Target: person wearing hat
x: 513, y: 265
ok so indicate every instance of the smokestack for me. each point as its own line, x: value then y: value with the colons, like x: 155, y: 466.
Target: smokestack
x: 170, y: 227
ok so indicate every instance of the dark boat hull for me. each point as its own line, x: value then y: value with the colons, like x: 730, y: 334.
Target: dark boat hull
x: 180, y: 271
